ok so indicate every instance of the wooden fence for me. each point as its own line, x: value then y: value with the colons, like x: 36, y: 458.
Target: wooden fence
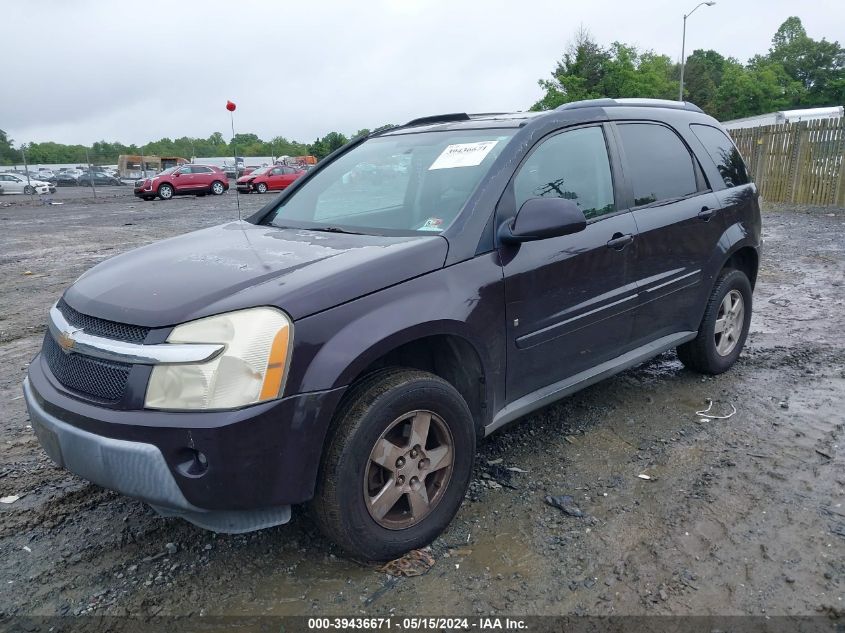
x: 800, y: 163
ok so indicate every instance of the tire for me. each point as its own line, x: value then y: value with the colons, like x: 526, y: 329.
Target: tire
x: 261, y: 187
x: 29, y: 190
x: 217, y: 188
x: 713, y: 352
x: 165, y: 192
x: 374, y: 412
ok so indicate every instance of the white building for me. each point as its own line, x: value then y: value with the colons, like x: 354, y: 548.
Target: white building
x: 785, y: 116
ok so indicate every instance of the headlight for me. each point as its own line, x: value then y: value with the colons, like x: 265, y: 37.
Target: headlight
x: 251, y: 368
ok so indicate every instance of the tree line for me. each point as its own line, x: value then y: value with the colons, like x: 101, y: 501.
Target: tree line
x: 797, y: 72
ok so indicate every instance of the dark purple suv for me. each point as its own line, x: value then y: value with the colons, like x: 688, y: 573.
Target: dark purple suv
x: 350, y: 343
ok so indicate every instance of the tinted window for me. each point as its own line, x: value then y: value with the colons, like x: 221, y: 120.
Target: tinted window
x: 724, y: 153
x: 201, y: 170
x: 660, y: 165
x: 571, y: 165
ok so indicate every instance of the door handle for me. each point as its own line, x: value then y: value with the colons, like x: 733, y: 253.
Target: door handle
x: 620, y: 241
x: 706, y: 213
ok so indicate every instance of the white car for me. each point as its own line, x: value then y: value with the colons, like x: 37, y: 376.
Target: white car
x: 13, y: 183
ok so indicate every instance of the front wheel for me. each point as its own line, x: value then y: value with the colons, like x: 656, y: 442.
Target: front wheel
x: 397, y: 466
x: 724, y: 327
x: 29, y: 190
x: 217, y: 188
x: 261, y: 187
x: 165, y: 192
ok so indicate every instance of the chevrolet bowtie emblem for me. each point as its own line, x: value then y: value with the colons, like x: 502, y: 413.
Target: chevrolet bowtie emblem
x: 66, y: 340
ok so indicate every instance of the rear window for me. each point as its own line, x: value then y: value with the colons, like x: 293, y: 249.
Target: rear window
x: 660, y: 165
x: 723, y: 152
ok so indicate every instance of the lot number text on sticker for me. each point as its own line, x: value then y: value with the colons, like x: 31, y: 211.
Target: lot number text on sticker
x: 463, y: 155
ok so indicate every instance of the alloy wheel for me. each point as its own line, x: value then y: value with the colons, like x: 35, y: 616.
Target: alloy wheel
x: 729, y: 322
x: 408, y: 470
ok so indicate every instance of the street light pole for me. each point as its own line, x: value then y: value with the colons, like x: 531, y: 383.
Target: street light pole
x: 684, y: 45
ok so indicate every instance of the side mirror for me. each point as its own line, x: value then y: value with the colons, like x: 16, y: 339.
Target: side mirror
x: 541, y: 218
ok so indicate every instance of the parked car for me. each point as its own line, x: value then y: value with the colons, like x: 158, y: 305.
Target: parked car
x: 98, y: 178
x: 272, y: 178
x: 68, y: 177
x: 16, y: 183
x: 188, y: 179
x: 350, y: 343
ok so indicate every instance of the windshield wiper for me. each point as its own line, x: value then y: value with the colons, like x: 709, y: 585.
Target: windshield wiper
x: 333, y: 229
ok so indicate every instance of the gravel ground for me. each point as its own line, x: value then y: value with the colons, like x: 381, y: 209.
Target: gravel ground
x: 744, y: 515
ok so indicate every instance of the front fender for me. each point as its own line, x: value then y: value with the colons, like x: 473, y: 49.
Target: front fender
x: 333, y: 347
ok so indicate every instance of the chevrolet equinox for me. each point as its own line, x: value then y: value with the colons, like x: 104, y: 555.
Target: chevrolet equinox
x: 422, y: 287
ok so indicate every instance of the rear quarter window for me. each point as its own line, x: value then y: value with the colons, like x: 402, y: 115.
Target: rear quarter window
x: 724, y: 154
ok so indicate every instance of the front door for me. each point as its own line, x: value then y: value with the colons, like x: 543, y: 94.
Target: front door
x: 185, y: 180
x: 568, y: 298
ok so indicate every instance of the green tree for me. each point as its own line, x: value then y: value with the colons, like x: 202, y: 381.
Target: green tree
x: 818, y: 65
x: 588, y: 71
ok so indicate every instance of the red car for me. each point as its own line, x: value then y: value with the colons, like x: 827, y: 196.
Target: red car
x: 196, y: 180
x: 275, y: 177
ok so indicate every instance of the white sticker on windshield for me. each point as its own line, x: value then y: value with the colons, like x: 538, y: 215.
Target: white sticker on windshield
x: 463, y: 155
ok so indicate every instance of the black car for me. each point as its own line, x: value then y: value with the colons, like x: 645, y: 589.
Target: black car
x: 67, y: 178
x: 350, y: 343
x: 99, y: 178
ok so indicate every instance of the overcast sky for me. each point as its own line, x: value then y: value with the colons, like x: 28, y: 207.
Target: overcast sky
x: 84, y: 71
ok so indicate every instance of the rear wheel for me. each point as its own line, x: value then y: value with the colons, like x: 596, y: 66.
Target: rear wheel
x: 724, y: 327
x: 261, y: 187
x: 217, y: 188
x: 397, y: 466
x: 165, y: 192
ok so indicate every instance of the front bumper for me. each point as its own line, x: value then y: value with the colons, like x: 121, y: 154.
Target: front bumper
x: 141, y: 192
x: 260, y: 459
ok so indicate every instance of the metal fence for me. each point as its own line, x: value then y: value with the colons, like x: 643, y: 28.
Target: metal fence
x: 799, y: 163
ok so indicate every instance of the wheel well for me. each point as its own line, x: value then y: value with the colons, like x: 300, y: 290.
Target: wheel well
x: 450, y: 357
x: 745, y: 259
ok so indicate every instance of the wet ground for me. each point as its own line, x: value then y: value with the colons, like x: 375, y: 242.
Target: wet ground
x: 744, y: 515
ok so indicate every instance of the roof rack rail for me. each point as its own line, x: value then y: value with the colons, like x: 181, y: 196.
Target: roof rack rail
x: 439, y: 118
x: 630, y: 102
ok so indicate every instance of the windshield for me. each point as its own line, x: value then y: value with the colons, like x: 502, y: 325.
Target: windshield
x: 259, y: 171
x: 395, y: 184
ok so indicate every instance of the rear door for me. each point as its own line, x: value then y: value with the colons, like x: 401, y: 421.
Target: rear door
x: 202, y: 176
x: 568, y: 298
x: 679, y: 226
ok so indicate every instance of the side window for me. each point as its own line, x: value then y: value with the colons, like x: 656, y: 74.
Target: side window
x: 200, y: 170
x: 571, y: 165
x: 660, y: 165
x: 724, y: 153
x: 185, y: 170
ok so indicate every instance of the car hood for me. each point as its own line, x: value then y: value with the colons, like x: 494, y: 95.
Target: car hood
x: 240, y: 265
x: 248, y: 177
